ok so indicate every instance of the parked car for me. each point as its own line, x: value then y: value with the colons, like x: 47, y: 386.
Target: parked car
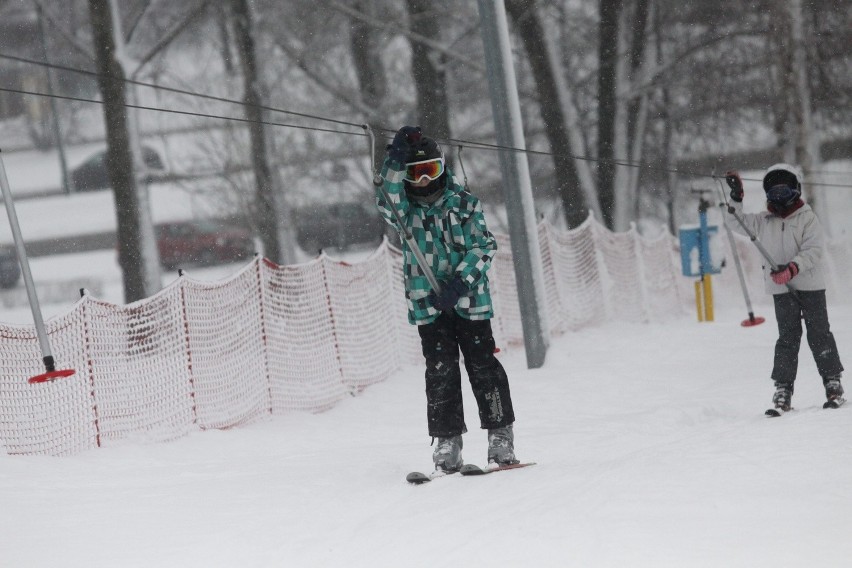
x: 10, y: 269
x: 337, y: 225
x: 204, y: 243
x: 92, y: 174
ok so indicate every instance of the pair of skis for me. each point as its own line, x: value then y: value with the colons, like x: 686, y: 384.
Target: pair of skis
x: 836, y: 403
x: 418, y: 478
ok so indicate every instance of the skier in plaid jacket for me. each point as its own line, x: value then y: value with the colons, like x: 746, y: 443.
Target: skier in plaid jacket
x: 449, y: 228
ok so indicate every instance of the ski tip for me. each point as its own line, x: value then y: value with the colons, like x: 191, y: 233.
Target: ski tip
x: 416, y: 478
x: 516, y: 465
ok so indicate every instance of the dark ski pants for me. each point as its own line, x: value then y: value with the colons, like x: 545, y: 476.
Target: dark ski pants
x: 789, y: 313
x: 441, y: 341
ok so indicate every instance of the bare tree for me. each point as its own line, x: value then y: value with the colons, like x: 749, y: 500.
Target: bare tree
x: 270, y: 205
x: 428, y: 68
x: 801, y: 144
x: 119, y: 157
x: 552, y: 105
x: 607, y: 84
x: 367, y: 59
x: 631, y: 111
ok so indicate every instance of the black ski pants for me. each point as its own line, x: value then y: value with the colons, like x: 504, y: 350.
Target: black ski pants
x: 789, y: 313
x: 441, y: 341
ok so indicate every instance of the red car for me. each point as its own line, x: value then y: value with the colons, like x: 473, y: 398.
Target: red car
x: 204, y: 243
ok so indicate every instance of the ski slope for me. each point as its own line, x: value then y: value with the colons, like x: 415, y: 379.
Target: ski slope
x: 650, y: 440
x: 652, y: 451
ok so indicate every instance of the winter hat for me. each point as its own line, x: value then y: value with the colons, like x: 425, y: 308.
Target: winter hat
x: 422, y: 149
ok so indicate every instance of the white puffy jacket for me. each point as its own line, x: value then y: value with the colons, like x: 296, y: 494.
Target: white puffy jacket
x: 797, y: 238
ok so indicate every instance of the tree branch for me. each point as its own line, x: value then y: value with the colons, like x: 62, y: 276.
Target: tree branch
x: 64, y: 33
x: 403, y: 29
x: 340, y: 93
x: 170, y: 35
x: 135, y: 24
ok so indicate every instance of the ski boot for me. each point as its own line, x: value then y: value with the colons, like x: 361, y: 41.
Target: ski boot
x: 447, y: 455
x: 833, y: 392
x: 783, y: 397
x: 501, y: 446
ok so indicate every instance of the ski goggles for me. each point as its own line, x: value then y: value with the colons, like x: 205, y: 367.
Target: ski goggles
x: 782, y: 193
x: 430, y: 169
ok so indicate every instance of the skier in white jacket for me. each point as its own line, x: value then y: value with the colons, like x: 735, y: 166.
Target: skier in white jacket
x: 792, y: 235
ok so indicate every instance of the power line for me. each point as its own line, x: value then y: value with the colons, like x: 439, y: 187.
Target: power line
x: 170, y: 89
x: 496, y: 147
x: 182, y: 112
x: 448, y: 141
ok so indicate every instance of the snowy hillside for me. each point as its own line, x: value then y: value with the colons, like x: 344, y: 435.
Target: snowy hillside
x: 652, y: 451
x: 650, y: 441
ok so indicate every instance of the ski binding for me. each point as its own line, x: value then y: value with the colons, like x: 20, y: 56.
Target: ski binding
x: 777, y: 411
x: 418, y: 478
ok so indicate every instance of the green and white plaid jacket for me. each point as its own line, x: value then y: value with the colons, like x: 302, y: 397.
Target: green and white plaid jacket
x: 452, y: 235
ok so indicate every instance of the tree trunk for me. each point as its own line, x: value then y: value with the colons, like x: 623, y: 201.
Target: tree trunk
x: 269, y: 207
x: 528, y: 23
x: 222, y: 16
x: 807, y: 137
x: 119, y: 157
x: 632, y: 114
x: 429, y: 70
x: 670, y: 163
x: 607, y: 60
x: 639, y: 25
x: 367, y: 57
x: 372, y: 80
x: 669, y: 151
x: 779, y: 34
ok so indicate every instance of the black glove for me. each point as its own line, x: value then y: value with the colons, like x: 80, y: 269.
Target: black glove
x: 736, y: 184
x: 402, y: 140
x: 450, y: 294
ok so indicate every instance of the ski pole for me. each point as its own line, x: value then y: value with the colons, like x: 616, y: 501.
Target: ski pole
x: 50, y: 373
x: 406, y: 233
x: 752, y: 320
x: 758, y: 244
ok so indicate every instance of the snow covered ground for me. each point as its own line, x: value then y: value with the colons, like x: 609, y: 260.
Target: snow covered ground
x: 652, y: 451
x: 650, y: 441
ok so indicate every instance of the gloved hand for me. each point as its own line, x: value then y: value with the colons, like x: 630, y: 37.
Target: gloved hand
x: 736, y: 184
x: 402, y: 140
x: 450, y: 294
x: 784, y: 274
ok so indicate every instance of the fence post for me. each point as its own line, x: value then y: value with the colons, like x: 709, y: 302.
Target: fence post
x: 185, y: 320
x: 90, y: 371
x: 323, y: 260
x: 261, y: 291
